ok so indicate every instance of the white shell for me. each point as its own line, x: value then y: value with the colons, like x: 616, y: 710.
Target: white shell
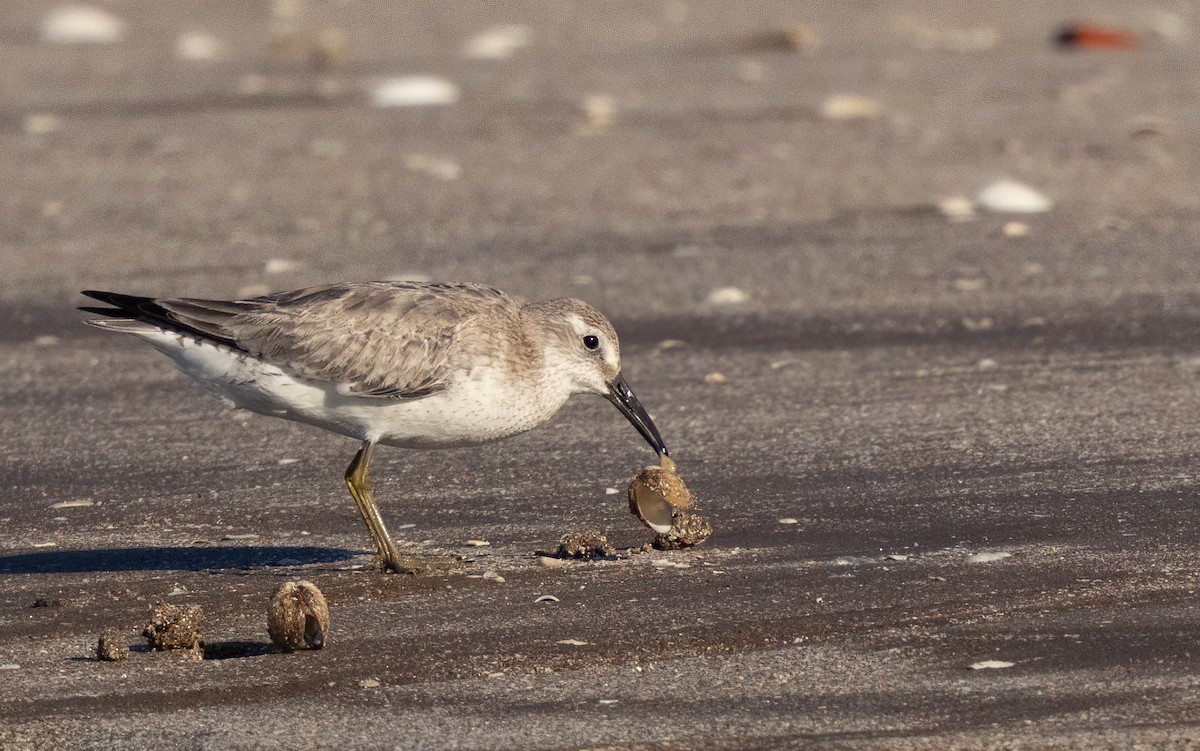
x: 414, y: 91
x: 1012, y: 197
x: 654, y: 510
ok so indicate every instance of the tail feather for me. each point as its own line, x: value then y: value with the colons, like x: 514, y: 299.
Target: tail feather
x: 147, y: 310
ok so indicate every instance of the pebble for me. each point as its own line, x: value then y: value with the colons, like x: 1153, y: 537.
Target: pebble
x: 987, y: 363
x: 572, y: 642
x: 477, y: 543
x: 850, y: 107
x: 957, y: 208
x: 286, y: 461
x: 611, y: 491
x: 281, y: 266
x: 896, y: 557
x: 546, y: 598
x: 497, y: 43
x: 414, y: 91
x: 550, y: 562
x: 489, y: 574
x: 989, y: 557
x: 369, y: 683
x: 599, y: 111
x: 1011, y: 197
x: 789, y: 520
x: 40, y: 124
x: 714, y: 377
x: 728, y: 296
x: 1015, y: 229
x: 197, y: 46
x: 990, y: 665
x: 79, y: 24
x: 434, y: 166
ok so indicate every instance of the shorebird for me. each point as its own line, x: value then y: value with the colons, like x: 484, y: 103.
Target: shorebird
x: 415, y: 365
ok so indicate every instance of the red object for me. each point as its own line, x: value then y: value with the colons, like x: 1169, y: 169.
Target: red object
x: 1088, y: 36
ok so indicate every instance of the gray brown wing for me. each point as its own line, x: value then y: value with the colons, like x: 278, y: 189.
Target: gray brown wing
x: 380, y: 339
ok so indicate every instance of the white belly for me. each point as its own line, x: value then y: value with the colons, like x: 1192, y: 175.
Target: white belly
x: 482, y: 408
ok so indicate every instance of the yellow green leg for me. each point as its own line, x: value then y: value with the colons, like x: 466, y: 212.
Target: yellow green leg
x: 364, y: 497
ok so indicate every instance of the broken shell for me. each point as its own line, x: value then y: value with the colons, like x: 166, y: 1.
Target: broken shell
x: 655, y: 493
x: 111, y: 647
x: 175, y: 627
x: 298, y: 617
x: 687, y: 530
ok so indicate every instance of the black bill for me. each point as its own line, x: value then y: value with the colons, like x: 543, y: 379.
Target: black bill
x: 623, y: 399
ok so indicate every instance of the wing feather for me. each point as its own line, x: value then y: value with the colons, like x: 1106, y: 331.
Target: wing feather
x: 392, y: 340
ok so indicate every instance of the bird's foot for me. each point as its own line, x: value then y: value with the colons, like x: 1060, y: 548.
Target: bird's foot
x: 418, y: 564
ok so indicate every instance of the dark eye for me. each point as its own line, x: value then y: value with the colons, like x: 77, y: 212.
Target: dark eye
x: 591, y: 341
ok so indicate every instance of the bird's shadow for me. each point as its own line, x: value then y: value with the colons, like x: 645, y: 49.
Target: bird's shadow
x: 168, y: 559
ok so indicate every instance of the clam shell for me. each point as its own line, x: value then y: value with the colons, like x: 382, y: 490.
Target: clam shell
x: 656, y: 493
x: 298, y: 617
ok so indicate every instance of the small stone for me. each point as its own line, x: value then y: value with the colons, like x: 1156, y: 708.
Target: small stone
x: 196, y: 46
x: 298, y: 617
x: 990, y: 665
x: 369, y: 683
x: 789, y: 520
x: 1012, y: 197
x: 477, y: 543
x: 572, y: 642
x: 1015, y: 229
x: 987, y: 363
x: 111, y: 647
x: 715, y: 378
x: 414, y: 91
x: 612, y: 491
x: 497, y: 43
x: 285, y: 462
x: 78, y: 24
x: 41, y: 124
x: 175, y: 627
x: 550, y: 561
x: 282, y: 266
x: 493, y: 576
x: 850, y: 107
x: 233, y: 538
x: 989, y: 557
x: 727, y: 296
x: 895, y: 557
x: 957, y: 208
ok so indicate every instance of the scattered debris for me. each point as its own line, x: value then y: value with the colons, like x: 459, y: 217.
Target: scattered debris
x: 73, y: 504
x: 1012, y: 197
x: 175, y: 627
x: 497, y: 43
x: 79, y: 24
x: 1090, y: 36
x: 989, y: 557
x: 587, y: 545
x: 298, y: 617
x: 111, y: 646
x: 414, y: 91
x: 727, y: 296
x: 687, y: 531
x: 545, y: 598
x: 850, y: 107
x: 990, y: 665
